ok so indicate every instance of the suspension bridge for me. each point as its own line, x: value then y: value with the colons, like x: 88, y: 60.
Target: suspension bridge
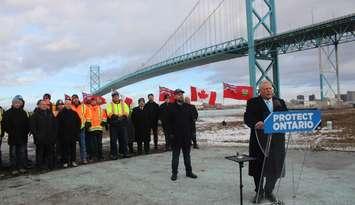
x: 222, y: 30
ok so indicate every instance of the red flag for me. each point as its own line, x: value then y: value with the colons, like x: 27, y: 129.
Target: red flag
x: 203, y: 95
x: 86, y: 97
x: 67, y: 97
x: 163, y: 91
x: 99, y: 99
x: 128, y: 101
x: 237, y: 92
x: 213, y: 97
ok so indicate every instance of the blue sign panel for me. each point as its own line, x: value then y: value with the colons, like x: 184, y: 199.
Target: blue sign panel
x: 292, y: 121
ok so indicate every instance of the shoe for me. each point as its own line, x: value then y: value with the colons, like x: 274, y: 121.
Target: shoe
x: 23, y: 171
x: 126, y: 156
x: 15, y: 172
x: 114, y: 158
x: 258, y: 200
x: 271, y: 197
x: 74, y: 164
x: 191, y: 175
x: 173, y: 177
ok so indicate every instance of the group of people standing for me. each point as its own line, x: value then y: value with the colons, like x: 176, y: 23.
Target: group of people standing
x: 57, y: 128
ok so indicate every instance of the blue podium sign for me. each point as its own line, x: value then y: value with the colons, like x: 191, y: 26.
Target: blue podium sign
x: 292, y: 121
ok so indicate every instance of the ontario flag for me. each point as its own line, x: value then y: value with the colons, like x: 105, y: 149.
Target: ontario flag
x: 237, y: 92
x: 203, y: 95
x: 163, y: 91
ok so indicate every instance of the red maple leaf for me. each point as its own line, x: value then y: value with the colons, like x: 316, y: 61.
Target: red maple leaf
x: 202, y: 94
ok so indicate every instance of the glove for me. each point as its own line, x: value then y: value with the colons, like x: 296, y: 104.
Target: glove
x: 114, y: 117
x: 87, y: 125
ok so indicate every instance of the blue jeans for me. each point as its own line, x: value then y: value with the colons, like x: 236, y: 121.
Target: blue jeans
x: 18, y: 156
x: 82, y: 145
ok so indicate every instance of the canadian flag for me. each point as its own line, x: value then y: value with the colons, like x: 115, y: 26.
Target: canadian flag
x: 163, y: 91
x: 203, y: 95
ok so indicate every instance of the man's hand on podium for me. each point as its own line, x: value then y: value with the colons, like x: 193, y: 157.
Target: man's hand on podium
x: 259, y: 125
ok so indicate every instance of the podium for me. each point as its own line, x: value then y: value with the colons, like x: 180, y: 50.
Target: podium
x: 240, y: 159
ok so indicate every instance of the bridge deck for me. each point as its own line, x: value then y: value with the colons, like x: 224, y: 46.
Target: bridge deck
x: 338, y: 30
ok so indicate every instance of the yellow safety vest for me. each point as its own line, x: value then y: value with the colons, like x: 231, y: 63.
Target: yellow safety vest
x: 120, y: 109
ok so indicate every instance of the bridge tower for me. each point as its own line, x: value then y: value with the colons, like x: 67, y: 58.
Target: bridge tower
x: 262, y: 65
x: 94, y: 78
x: 329, y: 71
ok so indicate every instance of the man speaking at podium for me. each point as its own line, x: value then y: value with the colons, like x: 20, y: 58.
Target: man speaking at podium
x: 258, y: 108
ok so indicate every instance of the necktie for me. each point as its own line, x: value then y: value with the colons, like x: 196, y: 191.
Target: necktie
x: 269, y: 105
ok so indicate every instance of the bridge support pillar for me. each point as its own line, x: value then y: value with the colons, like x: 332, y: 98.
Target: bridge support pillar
x: 329, y: 72
x: 261, y: 19
x: 94, y: 78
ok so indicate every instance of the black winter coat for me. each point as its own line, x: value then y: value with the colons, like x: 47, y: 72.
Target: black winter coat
x: 152, y: 109
x: 180, y: 121
x: 194, y: 117
x: 163, y: 113
x: 17, y: 125
x: 43, y: 127
x: 69, y: 124
x: 140, y: 122
x: 257, y: 111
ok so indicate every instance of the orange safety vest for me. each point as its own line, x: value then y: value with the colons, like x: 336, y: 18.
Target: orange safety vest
x: 84, y: 113
x: 97, y: 116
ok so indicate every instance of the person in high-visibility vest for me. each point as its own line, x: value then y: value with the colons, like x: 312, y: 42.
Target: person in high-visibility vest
x: 117, y: 113
x: 98, y: 123
x: 85, y: 117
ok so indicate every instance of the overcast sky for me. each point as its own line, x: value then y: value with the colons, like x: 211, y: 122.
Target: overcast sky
x: 48, y: 46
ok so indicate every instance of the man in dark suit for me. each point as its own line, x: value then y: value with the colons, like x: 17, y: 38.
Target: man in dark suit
x: 140, y: 122
x: 163, y: 118
x: 180, y: 119
x: 194, y: 117
x: 258, y: 108
x: 152, y: 109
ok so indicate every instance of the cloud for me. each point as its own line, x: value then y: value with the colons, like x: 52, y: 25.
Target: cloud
x: 42, y: 39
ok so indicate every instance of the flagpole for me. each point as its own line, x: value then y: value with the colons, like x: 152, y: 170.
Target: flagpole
x: 223, y: 95
x: 224, y: 120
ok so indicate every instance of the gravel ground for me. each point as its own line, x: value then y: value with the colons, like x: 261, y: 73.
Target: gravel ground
x: 327, y: 178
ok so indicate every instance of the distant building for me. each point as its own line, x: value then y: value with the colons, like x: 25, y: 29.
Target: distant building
x: 300, y: 99
x: 312, y: 97
x: 343, y: 97
x: 350, y: 96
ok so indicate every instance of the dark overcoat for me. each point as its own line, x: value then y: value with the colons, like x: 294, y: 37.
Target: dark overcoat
x: 180, y: 120
x: 43, y: 127
x: 256, y: 111
x: 69, y: 125
x: 140, y: 122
